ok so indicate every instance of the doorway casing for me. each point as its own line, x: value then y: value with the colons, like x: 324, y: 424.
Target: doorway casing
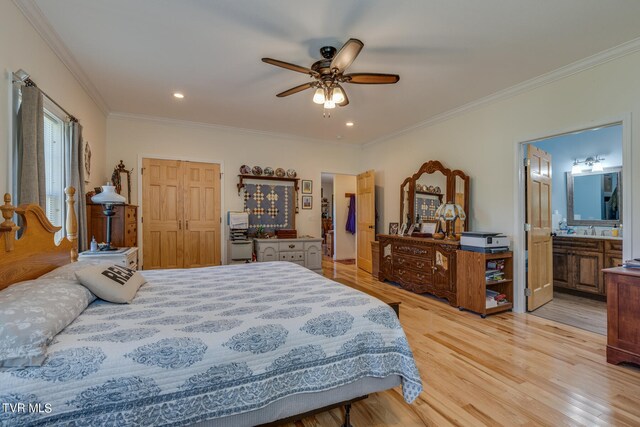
x: 519, y: 234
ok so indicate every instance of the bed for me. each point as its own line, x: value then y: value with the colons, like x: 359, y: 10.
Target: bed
x: 221, y: 346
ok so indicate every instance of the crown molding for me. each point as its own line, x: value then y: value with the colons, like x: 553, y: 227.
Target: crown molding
x: 186, y: 123
x: 587, y: 63
x: 41, y: 24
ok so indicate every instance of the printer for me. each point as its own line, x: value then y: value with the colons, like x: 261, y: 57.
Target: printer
x: 479, y: 241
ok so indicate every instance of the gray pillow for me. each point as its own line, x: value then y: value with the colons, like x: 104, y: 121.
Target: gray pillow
x: 32, y: 313
x: 113, y: 283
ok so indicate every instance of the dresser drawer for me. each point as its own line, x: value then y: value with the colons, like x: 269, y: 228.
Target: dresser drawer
x: 578, y: 243
x: 412, y: 276
x: 132, y: 260
x: 292, y: 256
x: 410, y: 249
x: 291, y: 246
x: 413, y: 263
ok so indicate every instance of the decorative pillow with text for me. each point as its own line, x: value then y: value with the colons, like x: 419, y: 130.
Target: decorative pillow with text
x: 113, y: 283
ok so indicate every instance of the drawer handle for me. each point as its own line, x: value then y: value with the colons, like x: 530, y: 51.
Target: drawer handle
x: 420, y: 276
x: 420, y: 264
x: 401, y: 261
x: 292, y: 246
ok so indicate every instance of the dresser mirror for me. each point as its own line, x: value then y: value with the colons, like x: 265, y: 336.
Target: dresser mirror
x: 432, y: 185
x: 595, y: 198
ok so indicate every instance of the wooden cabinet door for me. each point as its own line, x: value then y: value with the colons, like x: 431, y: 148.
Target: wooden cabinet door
x: 444, y: 271
x: 365, y: 218
x: 162, y: 214
x: 201, y: 214
x: 586, y: 271
x: 561, y: 269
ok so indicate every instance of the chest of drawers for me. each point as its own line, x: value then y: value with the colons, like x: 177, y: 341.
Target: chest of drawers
x: 305, y: 251
x: 420, y: 265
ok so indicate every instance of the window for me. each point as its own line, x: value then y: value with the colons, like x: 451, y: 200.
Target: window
x: 54, y: 170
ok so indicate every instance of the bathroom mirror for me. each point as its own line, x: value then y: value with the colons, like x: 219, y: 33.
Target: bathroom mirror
x: 595, y: 198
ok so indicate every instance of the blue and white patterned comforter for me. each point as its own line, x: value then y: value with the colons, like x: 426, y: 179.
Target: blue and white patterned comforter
x: 205, y: 343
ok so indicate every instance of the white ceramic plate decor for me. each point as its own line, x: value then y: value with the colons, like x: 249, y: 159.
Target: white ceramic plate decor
x: 280, y: 173
x: 257, y: 170
x: 245, y: 170
x: 268, y: 171
x: 291, y: 173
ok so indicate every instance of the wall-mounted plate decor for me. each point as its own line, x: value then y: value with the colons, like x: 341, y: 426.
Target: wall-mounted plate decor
x: 291, y: 173
x: 280, y: 173
x: 257, y: 170
x: 245, y: 170
x: 268, y: 171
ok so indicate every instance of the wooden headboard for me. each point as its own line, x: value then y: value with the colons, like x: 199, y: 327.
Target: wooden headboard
x: 35, y: 252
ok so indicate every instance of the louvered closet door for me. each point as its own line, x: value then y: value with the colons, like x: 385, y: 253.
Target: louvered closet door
x: 162, y: 213
x: 202, y: 214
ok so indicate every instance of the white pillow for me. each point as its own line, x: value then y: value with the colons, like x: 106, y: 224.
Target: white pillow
x: 113, y: 283
x: 32, y: 313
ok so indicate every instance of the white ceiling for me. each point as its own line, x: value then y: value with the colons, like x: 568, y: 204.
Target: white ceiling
x: 447, y: 53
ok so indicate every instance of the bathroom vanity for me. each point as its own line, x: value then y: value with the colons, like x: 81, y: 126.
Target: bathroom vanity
x: 578, y: 261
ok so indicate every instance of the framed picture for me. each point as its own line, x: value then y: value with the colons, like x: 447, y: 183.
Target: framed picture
x: 411, y: 230
x: 307, y: 202
x: 403, y: 229
x: 307, y: 186
x: 428, y: 227
x: 393, y: 227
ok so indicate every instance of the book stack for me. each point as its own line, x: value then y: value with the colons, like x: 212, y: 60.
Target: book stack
x: 495, y: 270
x: 632, y: 263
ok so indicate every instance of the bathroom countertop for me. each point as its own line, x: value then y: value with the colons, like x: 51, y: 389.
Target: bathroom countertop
x: 582, y: 236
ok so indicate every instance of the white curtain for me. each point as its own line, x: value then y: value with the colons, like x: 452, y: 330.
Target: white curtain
x: 74, y: 177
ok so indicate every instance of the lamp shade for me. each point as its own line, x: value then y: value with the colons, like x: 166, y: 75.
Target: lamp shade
x: 108, y: 196
x: 450, y: 211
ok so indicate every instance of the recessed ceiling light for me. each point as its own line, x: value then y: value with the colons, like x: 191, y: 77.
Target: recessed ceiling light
x: 178, y: 95
x: 349, y: 124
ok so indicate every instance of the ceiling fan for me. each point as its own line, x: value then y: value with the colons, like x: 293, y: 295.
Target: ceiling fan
x: 329, y: 74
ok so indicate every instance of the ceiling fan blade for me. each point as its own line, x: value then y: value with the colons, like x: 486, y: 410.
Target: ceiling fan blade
x: 294, y: 90
x: 346, y: 98
x: 371, y: 78
x: 288, y: 66
x: 346, y: 55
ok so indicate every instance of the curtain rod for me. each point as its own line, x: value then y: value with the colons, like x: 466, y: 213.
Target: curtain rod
x: 29, y: 82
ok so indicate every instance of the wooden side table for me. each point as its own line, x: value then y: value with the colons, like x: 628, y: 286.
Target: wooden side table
x: 623, y: 314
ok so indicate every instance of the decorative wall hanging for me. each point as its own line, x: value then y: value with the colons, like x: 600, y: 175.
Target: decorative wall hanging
x: 307, y: 202
x: 269, y: 206
x: 307, y: 186
x: 426, y: 206
x: 87, y: 162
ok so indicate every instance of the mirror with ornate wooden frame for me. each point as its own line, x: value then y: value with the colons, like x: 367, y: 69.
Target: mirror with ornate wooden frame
x: 432, y: 185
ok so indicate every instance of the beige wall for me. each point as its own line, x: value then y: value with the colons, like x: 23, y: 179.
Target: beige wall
x: 22, y: 47
x: 131, y: 138
x: 345, y: 242
x: 483, y: 142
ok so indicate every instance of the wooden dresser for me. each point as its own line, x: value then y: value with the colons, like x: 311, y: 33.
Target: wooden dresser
x: 124, y: 225
x: 578, y: 262
x: 421, y: 265
x: 623, y: 315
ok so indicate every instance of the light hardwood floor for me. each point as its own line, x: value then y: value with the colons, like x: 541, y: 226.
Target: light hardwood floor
x: 508, y: 369
x: 581, y: 312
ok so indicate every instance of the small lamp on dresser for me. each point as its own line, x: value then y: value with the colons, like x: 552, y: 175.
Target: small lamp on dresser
x: 449, y: 212
x: 108, y: 198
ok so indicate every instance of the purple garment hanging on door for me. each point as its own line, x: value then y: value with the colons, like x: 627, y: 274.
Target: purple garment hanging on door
x: 351, y: 218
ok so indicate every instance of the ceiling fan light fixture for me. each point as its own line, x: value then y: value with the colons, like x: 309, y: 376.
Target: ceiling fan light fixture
x: 329, y: 103
x: 338, y: 96
x: 318, y: 96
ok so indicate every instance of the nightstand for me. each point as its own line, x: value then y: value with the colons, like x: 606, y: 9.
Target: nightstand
x: 127, y: 257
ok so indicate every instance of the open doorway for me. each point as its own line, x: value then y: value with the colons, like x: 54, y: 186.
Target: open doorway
x: 337, y: 209
x: 575, y: 223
